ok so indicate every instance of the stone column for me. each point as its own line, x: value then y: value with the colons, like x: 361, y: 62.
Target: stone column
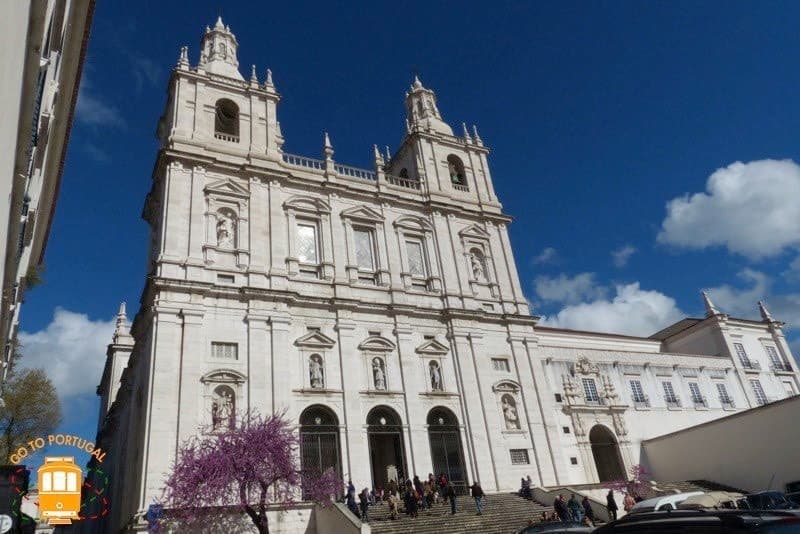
x: 259, y: 233
x: 193, y: 352
x: 197, y: 225
x: 278, y: 234
x: 357, y: 449
x: 259, y: 362
x: 280, y: 323
x: 417, y: 445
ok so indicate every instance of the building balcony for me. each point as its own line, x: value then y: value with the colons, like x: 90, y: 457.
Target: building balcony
x: 781, y: 368
x: 727, y: 403
x: 226, y: 137
x: 642, y: 401
x: 673, y: 403
x: 750, y: 365
x: 700, y: 402
x: 595, y: 402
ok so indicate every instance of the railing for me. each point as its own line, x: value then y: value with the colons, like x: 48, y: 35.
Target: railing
x: 355, y: 172
x: 672, y: 402
x: 781, y: 367
x: 727, y: 402
x: 700, y: 401
x: 403, y: 182
x: 460, y: 187
x: 641, y: 402
x: 226, y: 137
x: 595, y: 402
x: 301, y: 161
x: 750, y: 364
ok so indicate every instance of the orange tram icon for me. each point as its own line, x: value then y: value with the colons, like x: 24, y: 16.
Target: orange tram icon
x: 60, y: 482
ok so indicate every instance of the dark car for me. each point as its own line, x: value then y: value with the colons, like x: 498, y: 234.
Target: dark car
x: 769, y: 500
x: 557, y: 527
x: 794, y: 497
x: 707, y: 522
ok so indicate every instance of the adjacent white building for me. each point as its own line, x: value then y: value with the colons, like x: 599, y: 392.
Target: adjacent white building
x: 43, y: 43
x: 382, y: 309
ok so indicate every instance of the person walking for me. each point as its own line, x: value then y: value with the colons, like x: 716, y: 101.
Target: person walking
x: 587, y: 509
x: 560, y: 508
x: 611, y: 504
x: 420, y: 491
x: 450, y: 493
x: 363, y: 503
x: 351, y: 498
x: 628, y: 502
x: 394, y: 502
x: 443, y: 486
x: 477, y: 494
x: 575, y: 509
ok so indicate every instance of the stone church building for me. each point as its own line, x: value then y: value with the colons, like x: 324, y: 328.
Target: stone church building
x: 382, y: 309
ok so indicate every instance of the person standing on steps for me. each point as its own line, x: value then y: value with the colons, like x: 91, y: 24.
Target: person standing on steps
x: 363, y: 503
x: 575, y: 509
x: 450, y: 493
x: 560, y: 508
x: 477, y: 494
x: 611, y: 504
x: 587, y: 510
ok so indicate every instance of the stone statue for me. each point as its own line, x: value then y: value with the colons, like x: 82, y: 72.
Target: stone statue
x: 510, y: 413
x: 378, y: 374
x: 222, y: 411
x: 315, y: 370
x: 477, y: 266
x: 436, y: 377
x: 225, y: 231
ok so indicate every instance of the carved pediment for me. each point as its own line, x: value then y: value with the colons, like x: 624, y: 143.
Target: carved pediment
x: 315, y: 340
x: 432, y: 347
x: 377, y: 343
x: 362, y: 213
x: 413, y: 223
x: 584, y: 367
x: 307, y: 204
x: 226, y: 376
x: 474, y: 231
x: 506, y: 386
x: 227, y: 188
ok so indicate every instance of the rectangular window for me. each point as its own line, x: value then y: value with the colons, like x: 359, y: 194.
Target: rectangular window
x: 307, y: 248
x: 789, y: 388
x: 47, y: 482
x: 761, y: 397
x: 697, y: 397
x: 225, y: 351
x: 72, y: 482
x: 724, y: 398
x: 59, y: 481
x: 590, y: 391
x: 637, y: 392
x: 365, y: 248
x: 573, y: 460
x: 742, y: 354
x: 500, y: 364
x: 565, y: 429
x: 669, y: 394
x: 519, y: 457
x: 558, y: 397
x: 416, y: 258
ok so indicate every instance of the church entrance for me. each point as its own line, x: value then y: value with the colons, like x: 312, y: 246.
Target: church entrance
x: 607, y: 458
x: 386, y: 450
x: 319, y: 441
x: 446, y: 451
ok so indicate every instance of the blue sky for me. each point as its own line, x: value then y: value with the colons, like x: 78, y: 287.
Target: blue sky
x: 605, y: 120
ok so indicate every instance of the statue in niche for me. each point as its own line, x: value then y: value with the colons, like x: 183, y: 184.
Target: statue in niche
x: 378, y: 374
x: 477, y: 266
x: 223, y: 51
x: 315, y: 371
x: 436, y: 377
x: 226, y: 229
x: 510, y: 413
x: 577, y: 422
x: 222, y: 410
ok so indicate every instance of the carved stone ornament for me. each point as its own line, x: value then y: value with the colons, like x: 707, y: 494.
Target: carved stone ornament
x: 609, y: 391
x: 619, y: 424
x: 570, y: 389
x: 584, y: 367
x: 577, y: 424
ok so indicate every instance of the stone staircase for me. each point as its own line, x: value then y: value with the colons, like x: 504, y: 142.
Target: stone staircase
x: 503, y: 513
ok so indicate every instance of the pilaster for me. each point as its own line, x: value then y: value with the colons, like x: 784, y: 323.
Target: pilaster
x: 357, y: 447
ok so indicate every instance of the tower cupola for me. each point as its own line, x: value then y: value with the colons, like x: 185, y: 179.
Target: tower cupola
x: 218, y: 51
x: 422, y: 110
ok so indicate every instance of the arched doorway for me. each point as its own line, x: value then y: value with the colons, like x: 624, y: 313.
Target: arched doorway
x: 319, y: 440
x: 447, y: 454
x: 605, y: 450
x: 386, y: 449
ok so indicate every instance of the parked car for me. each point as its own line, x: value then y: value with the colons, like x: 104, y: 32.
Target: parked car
x: 707, y: 522
x: 794, y: 497
x: 664, y: 502
x: 713, y: 500
x: 557, y: 527
x: 769, y: 500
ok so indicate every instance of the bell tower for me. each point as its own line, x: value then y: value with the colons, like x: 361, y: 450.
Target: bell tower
x: 218, y: 50
x: 422, y: 109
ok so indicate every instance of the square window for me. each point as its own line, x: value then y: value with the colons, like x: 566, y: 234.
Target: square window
x: 558, y: 397
x: 573, y: 460
x: 225, y: 351
x: 519, y: 457
x: 566, y: 429
x: 500, y: 364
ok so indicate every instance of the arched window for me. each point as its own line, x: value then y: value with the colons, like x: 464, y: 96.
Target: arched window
x: 404, y: 173
x: 316, y: 372
x: 226, y: 120
x: 477, y: 265
x: 223, y: 408
x: 226, y: 228
x: 379, y: 373
x: 456, y: 169
x: 510, y: 414
x: 435, y: 373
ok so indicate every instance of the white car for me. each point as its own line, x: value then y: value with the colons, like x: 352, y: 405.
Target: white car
x: 665, y: 502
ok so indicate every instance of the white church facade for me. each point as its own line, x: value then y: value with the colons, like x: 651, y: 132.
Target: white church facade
x: 383, y: 311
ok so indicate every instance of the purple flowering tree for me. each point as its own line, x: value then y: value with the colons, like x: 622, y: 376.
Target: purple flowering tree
x: 247, y: 468
x: 637, y: 484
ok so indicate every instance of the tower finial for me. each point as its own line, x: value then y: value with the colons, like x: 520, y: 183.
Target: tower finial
x: 121, y: 328
x: 327, y: 148
x: 253, y: 76
x: 219, y: 25
x: 183, y: 59
x: 268, y: 81
x: 388, y: 154
x: 765, y: 315
x: 476, y: 137
x: 467, y: 138
x: 711, y: 310
x: 377, y: 156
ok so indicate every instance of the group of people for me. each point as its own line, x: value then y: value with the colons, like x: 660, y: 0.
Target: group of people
x: 415, y: 495
x: 526, y: 488
x: 571, y: 511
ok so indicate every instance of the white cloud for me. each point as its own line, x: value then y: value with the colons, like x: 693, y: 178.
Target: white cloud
x: 96, y: 153
x: 793, y: 272
x: 621, y: 256
x: 750, y: 208
x: 92, y: 110
x: 547, y: 255
x: 568, y: 290
x: 633, y: 311
x: 741, y: 302
x: 71, y: 349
